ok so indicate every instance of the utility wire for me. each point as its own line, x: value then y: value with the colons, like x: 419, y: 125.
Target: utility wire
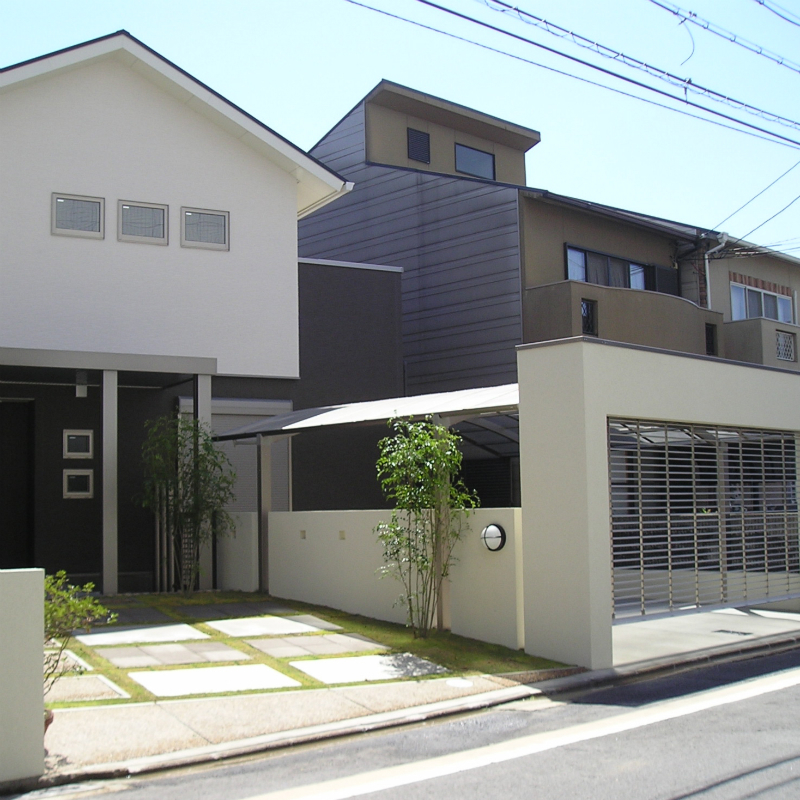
x: 755, y: 196
x: 777, y: 11
x: 785, y: 142
x: 686, y: 84
x: 575, y: 59
x: 690, y: 16
x: 791, y: 203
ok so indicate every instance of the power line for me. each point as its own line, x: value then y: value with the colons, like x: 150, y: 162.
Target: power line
x: 629, y: 61
x: 575, y: 59
x: 790, y: 143
x: 733, y: 38
x: 791, y: 203
x: 777, y: 11
x: 754, y: 197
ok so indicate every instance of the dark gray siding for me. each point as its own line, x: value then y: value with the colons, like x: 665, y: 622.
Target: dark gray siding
x: 458, y: 243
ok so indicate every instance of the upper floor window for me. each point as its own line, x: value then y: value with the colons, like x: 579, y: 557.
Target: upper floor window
x: 605, y: 270
x: 203, y: 228
x: 142, y: 222
x: 474, y: 162
x: 76, y: 215
x: 747, y: 302
x: 419, y: 145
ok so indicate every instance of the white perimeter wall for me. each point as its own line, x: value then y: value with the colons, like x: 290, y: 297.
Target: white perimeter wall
x: 103, y: 130
x: 568, y: 390
x: 337, y: 564
x: 21, y: 668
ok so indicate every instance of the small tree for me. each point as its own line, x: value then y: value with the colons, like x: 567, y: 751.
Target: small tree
x: 418, y: 469
x: 66, y: 608
x: 188, y: 483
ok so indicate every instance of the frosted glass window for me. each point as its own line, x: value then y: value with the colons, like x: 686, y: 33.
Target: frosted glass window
x: 474, y: 162
x: 738, y: 308
x: 74, y: 215
x: 785, y: 309
x: 142, y: 222
x: 202, y: 228
x: 637, y: 276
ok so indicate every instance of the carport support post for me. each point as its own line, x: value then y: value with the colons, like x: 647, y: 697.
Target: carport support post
x: 264, y: 507
x: 565, y: 508
x: 201, y: 395
x: 110, y: 510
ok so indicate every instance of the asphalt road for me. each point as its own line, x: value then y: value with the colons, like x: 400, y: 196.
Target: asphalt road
x: 727, y: 731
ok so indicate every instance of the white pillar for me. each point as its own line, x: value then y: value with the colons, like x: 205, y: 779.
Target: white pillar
x: 21, y: 704
x: 202, y: 412
x: 110, y: 491
x: 264, y: 507
x: 564, y: 483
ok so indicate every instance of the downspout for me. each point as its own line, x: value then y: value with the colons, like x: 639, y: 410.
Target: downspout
x: 722, y: 238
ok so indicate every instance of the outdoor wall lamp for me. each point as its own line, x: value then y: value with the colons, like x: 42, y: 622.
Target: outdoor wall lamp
x: 494, y: 537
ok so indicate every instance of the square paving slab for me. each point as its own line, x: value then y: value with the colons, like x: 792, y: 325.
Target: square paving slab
x: 329, y: 644
x: 228, y: 610
x: 154, y: 633
x: 157, y: 655
x: 178, y: 682
x: 261, y: 626
x: 367, y: 668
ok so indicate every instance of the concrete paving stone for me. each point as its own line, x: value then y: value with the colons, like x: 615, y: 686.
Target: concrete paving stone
x: 154, y: 633
x: 239, y: 678
x: 75, y: 688
x: 229, y: 610
x: 172, y: 654
x: 216, y: 651
x: 127, y: 657
x: 316, y: 622
x: 104, y: 734
x: 280, y: 648
x: 355, y: 642
x: 139, y: 616
x: 260, y: 626
x: 367, y: 668
x: 322, y: 646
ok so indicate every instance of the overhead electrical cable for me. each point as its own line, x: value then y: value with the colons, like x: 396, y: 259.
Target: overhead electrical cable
x: 755, y: 196
x: 603, y: 70
x: 686, y: 84
x: 733, y: 38
x: 777, y: 213
x: 781, y: 140
x: 781, y: 12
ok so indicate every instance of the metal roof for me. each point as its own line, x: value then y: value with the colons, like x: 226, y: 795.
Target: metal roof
x: 450, y: 407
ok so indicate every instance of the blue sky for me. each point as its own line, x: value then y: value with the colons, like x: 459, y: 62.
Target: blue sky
x: 300, y: 65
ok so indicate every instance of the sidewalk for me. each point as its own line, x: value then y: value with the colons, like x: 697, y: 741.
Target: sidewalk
x: 134, y: 738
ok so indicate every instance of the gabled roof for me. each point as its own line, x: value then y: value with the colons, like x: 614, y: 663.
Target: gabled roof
x: 317, y: 185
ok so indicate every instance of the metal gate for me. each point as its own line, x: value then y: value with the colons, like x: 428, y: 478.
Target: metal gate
x: 701, y: 516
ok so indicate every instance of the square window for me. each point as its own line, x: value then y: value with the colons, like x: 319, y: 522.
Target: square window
x: 203, y: 228
x: 78, y: 484
x: 75, y: 215
x: 474, y: 162
x: 142, y: 222
x: 785, y: 346
x: 78, y: 444
x: 419, y: 145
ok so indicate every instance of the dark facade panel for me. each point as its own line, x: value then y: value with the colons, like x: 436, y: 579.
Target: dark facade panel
x: 458, y: 244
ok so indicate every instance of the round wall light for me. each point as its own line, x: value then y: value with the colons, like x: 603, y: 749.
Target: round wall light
x: 494, y: 537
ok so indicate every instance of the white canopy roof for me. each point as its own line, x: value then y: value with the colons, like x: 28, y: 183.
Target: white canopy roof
x: 450, y: 407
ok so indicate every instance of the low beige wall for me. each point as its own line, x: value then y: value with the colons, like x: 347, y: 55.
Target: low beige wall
x: 332, y: 558
x: 237, y: 555
x: 21, y: 695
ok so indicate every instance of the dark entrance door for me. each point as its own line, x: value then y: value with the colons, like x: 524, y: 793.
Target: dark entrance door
x: 16, y: 484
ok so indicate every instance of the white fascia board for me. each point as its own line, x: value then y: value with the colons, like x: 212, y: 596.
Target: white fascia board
x: 316, y: 185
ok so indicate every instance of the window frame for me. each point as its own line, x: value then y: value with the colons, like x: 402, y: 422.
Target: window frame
x: 649, y: 272
x: 128, y: 237
x: 412, y: 133
x: 746, y: 290
x: 205, y: 245
x: 67, y: 453
x: 56, y: 231
x: 72, y: 495
x: 474, y: 150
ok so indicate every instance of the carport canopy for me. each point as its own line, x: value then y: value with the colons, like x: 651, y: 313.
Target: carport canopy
x: 448, y: 408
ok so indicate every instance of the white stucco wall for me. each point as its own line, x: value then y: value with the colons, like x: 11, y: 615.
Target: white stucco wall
x: 237, y: 554
x: 103, y: 130
x: 21, y: 697
x: 568, y: 390
x: 326, y: 569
